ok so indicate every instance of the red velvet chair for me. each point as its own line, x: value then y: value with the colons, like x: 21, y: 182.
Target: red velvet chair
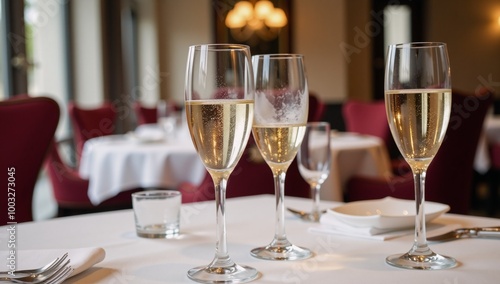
x: 91, y: 122
x: 70, y: 190
x: 449, y: 177
x: 316, y: 108
x: 370, y: 118
x: 147, y: 115
x: 367, y: 118
x: 27, y: 125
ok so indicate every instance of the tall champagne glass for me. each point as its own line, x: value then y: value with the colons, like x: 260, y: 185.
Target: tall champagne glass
x: 219, y: 98
x: 281, y: 105
x: 314, y: 160
x: 418, y: 104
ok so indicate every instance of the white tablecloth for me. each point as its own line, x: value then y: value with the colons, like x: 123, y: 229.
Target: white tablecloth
x: 250, y: 223
x: 120, y: 162
x: 354, y: 154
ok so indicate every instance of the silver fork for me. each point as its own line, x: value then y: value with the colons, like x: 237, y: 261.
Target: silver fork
x: 63, y: 275
x: 56, y: 278
x: 36, y: 271
x: 55, y: 274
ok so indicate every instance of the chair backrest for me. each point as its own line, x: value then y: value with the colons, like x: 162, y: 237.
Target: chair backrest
x: 92, y: 122
x: 367, y: 118
x: 449, y: 177
x: 71, y: 191
x: 148, y: 115
x: 28, y: 125
x: 68, y: 187
x: 317, y: 108
x: 145, y: 115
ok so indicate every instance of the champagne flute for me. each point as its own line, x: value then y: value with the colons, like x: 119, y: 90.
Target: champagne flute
x: 219, y: 103
x: 281, y: 105
x: 418, y: 104
x: 314, y: 159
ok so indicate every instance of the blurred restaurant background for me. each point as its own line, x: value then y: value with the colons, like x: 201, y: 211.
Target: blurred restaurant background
x: 123, y: 51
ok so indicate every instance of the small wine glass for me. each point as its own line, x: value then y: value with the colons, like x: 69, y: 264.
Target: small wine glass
x: 281, y: 105
x: 165, y: 118
x: 314, y: 159
x: 418, y: 104
x: 219, y: 99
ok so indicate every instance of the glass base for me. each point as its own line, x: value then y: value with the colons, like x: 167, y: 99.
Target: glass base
x: 227, y: 274
x: 281, y: 252
x: 313, y: 217
x: 432, y: 261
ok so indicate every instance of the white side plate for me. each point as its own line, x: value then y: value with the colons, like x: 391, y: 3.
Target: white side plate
x: 385, y: 213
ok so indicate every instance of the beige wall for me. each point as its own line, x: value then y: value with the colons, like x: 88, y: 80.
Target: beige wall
x: 148, y: 71
x: 318, y: 31
x: 182, y: 23
x: 87, y: 51
x: 472, y: 32
x: 321, y: 29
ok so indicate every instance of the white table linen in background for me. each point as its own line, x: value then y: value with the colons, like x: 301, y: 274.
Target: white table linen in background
x: 491, y: 134
x: 121, y: 162
x: 354, y: 154
x: 251, y: 223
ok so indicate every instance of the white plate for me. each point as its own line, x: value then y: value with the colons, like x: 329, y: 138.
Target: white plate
x: 385, y: 213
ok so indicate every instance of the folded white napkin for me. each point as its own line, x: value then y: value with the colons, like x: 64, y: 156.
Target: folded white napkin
x: 81, y: 259
x: 329, y: 224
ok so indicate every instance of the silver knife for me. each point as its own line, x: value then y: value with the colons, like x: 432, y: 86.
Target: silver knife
x: 464, y: 233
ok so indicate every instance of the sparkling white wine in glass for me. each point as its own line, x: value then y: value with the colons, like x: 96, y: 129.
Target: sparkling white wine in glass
x: 227, y: 124
x: 281, y: 106
x: 279, y: 144
x: 418, y: 104
x: 426, y: 115
x: 219, y: 100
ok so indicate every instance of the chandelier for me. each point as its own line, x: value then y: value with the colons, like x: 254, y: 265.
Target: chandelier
x: 262, y: 19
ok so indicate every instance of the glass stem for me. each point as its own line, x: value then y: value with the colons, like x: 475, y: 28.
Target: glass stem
x: 315, y: 192
x: 279, y: 187
x: 222, y: 258
x: 420, y: 246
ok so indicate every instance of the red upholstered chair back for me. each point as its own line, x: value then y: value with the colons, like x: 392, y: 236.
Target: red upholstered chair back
x: 367, y: 118
x: 145, y: 115
x: 68, y: 187
x: 27, y: 125
x: 91, y: 123
x: 316, y: 108
x: 148, y: 115
x: 449, y: 177
x: 70, y: 190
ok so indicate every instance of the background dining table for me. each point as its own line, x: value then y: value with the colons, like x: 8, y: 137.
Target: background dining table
x: 354, y: 154
x: 118, y: 163
x: 337, y: 258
